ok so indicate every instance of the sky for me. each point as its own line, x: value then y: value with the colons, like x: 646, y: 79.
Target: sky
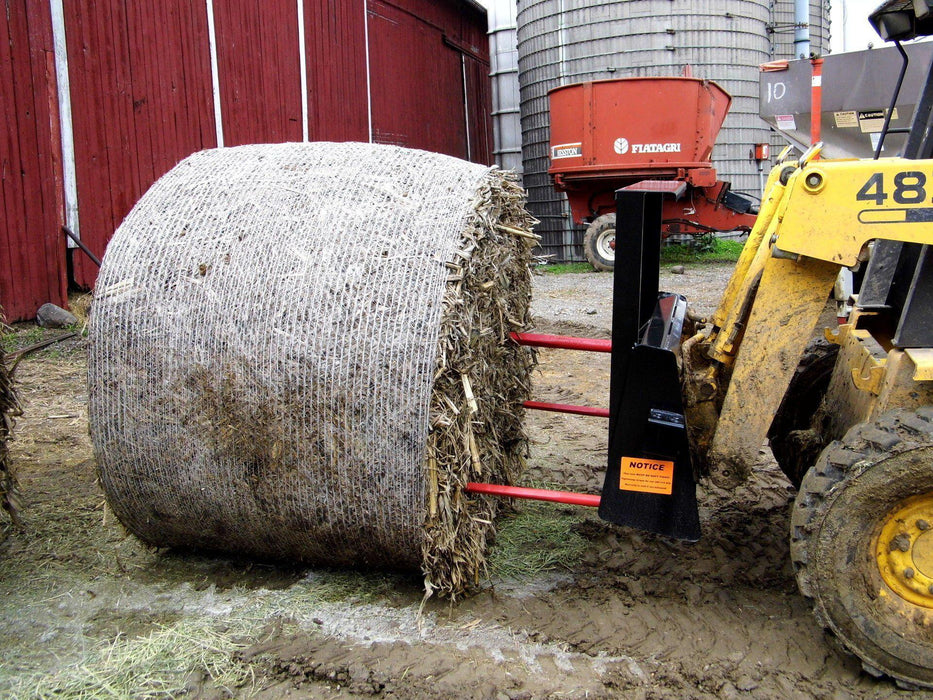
x: 849, y: 28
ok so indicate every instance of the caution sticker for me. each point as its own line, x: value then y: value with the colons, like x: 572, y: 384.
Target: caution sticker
x: 845, y: 120
x: 646, y: 475
x: 870, y: 121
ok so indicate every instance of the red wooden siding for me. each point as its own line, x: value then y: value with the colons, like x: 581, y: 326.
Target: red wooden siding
x: 258, y: 64
x: 141, y: 101
x: 335, y: 52
x: 32, y: 248
x: 413, y: 69
x: 479, y: 110
x: 462, y: 22
x: 422, y: 58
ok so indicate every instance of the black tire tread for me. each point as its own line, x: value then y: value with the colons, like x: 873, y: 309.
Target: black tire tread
x: 800, y: 403
x: 862, y: 446
x: 589, y: 243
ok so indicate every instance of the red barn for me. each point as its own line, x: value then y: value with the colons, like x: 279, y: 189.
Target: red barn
x: 102, y: 98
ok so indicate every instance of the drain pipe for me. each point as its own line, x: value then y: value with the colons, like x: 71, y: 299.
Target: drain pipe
x: 802, y: 28
x: 561, y: 41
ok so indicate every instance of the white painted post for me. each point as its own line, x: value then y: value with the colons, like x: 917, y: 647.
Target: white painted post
x: 303, y: 67
x: 215, y: 75
x: 466, y: 106
x: 369, y: 92
x: 69, y: 172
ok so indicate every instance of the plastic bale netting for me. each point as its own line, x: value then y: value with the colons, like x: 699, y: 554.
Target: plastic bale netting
x: 302, y: 352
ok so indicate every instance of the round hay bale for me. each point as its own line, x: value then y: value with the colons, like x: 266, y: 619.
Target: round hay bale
x: 301, y: 351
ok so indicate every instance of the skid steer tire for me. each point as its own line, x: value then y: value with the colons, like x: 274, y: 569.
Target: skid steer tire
x: 862, y: 544
x: 598, y: 243
x: 794, y: 442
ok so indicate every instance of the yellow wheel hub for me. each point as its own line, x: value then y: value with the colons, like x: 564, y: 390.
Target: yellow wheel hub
x: 904, y: 550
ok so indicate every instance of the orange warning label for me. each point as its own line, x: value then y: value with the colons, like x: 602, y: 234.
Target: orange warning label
x: 646, y: 475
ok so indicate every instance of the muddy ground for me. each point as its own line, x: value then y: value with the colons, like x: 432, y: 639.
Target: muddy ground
x: 86, y: 611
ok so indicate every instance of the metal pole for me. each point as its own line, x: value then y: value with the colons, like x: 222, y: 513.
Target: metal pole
x: 802, y: 28
x: 565, y: 342
x: 567, y: 408
x: 569, y: 497
x: 816, y: 100
x: 87, y: 251
x: 905, y: 60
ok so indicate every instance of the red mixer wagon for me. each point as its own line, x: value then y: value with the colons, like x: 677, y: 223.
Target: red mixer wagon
x: 651, y: 133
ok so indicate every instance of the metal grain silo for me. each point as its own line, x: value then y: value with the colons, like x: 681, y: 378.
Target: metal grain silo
x: 503, y: 58
x: 799, y: 28
x: 569, y: 41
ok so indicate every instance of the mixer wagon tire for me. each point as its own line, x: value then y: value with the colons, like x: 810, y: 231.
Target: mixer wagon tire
x: 599, y: 241
x: 793, y: 441
x: 862, y: 544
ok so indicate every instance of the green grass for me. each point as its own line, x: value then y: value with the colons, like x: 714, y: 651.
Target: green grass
x: 161, y: 663
x: 156, y: 666
x: 538, y: 537
x: 564, y: 268
x: 715, y: 250
x: 704, y: 250
x: 20, y: 337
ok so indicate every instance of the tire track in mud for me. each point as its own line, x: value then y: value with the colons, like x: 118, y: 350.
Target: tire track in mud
x: 431, y: 657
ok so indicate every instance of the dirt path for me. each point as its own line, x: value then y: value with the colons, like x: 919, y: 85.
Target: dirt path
x: 83, y: 607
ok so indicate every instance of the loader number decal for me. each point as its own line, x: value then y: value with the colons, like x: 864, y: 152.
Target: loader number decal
x: 646, y: 475
x: 907, y: 187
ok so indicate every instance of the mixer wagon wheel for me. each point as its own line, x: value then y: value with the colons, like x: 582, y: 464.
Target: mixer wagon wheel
x: 862, y: 544
x: 599, y: 242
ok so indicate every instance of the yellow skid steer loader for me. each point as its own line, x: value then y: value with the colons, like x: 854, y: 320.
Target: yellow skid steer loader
x: 848, y: 409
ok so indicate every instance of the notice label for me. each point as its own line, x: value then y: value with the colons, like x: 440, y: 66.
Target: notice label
x: 845, y: 120
x: 646, y: 475
x: 785, y: 122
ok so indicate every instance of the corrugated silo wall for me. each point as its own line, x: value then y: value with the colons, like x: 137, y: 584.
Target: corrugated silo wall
x: 503, y: 57
x: 569, y: 41
x: 783, y: 29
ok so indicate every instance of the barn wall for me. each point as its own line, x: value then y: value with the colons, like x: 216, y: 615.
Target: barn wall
x: 32, y: 250
x: 257, y: 61
x: 445, y: 65
x: 141, y: 101
x: 479, y: 109
x: 398, y: 89
x: 143, y: 96
x: 335, y: 51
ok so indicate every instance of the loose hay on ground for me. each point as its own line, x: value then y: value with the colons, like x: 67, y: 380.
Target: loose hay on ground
x: 9, y: 408
x: 302, y: 351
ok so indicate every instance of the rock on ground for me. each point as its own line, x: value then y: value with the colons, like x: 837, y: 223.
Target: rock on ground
x: 52, y: 316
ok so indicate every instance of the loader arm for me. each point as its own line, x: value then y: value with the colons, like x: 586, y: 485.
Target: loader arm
x: 817, y: 217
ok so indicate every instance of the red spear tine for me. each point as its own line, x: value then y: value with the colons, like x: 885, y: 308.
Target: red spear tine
x: 565, y: 342
x: 569, y: 497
